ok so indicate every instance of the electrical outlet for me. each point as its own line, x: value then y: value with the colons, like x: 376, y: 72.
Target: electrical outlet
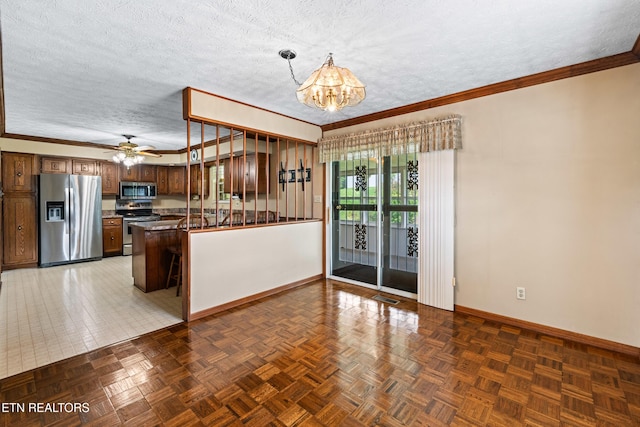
x: 520, y: 293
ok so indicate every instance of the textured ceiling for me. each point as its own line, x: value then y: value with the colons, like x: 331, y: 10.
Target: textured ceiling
x: 89, y: 70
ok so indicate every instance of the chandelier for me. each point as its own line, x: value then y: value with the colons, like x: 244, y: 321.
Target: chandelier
x: 127, y: 158
x: 329, y: 88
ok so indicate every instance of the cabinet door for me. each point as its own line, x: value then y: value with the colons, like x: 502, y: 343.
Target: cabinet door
x: 131, y: 174
x: 111, y: 236
x: 18, y: 172
x: 147, y: 173
x: 85, y: 167
x: 20, y: 230
x: 176, y: 179
x: 162, y: 180
x: 109, y: 173
x: 55, y: 165
x: 195, y: 181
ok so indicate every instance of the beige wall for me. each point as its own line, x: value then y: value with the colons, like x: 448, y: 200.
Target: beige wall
x: 44, y: 148
x: 548, y: 197
x: 230, y: 265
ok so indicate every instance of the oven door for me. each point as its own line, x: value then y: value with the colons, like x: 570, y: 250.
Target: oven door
x: 127, y: 241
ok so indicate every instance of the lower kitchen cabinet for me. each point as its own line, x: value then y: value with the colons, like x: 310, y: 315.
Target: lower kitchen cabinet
x: 20, y: 239
x: 111, y: 236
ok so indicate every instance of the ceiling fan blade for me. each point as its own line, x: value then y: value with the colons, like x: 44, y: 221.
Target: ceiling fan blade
x: 144, y: 148
x: 145, y: 153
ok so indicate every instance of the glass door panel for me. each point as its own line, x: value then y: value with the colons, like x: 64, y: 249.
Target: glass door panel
x: 355, y: 220
x: 400, y: 223
x: 374, y: 221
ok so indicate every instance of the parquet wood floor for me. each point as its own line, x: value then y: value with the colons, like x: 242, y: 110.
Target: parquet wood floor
x: 330, y: 355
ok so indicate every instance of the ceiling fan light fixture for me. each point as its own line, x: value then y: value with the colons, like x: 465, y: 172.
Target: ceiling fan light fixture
x: 128, y: 156
x: 331, y: 88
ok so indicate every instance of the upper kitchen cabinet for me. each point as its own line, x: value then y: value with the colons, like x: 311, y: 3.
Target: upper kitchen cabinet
x: 131, y: 174
x: 55, y: 165
x: 162, y: 180
x: 147, y: 173
x: 247, y: 179
x: 109, y: 173
x: 84, y: 167
x: 18, y: 172
x: 195, y: 181
x: 176, y: 180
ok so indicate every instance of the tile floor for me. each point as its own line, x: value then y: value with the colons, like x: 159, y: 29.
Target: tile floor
x: 50, y: 314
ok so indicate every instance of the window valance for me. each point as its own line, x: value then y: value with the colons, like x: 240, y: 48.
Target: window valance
x: 438, y: 134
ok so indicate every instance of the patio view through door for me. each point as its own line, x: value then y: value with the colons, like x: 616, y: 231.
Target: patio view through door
x: 374, y: 221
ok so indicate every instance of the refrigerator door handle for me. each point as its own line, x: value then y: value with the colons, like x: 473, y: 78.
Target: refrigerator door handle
x: 68, y: 194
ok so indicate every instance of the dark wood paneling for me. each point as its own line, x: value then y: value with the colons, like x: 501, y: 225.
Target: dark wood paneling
x: 151, y: 257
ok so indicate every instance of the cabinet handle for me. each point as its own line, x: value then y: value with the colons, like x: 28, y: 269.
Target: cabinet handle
x: 19, y: 228
x: 19, y: 174
x: 113, y: 238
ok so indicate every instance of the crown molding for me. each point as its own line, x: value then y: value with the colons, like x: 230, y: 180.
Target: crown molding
x: 593, y: 66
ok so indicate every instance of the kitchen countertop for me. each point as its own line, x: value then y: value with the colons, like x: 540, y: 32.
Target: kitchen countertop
x: 168, y: 224
x: 111, y: 216
x: 156, y: 225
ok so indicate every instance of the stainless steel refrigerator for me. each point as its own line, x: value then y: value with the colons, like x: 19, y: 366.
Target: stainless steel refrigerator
x: 70, y: 218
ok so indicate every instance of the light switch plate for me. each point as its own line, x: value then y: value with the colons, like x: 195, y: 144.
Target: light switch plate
x: 317, y: 199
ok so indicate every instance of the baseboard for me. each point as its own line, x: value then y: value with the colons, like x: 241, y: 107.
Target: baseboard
x: 551, y: 331
x: 251, y: 298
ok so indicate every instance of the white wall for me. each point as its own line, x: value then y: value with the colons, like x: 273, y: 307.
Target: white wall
x: 229, y: 265
x: 548, y: 197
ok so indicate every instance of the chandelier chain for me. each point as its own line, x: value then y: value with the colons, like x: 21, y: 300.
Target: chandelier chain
x: 291, y: 71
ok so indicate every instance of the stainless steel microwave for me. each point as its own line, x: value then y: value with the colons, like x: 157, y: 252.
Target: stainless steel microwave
x: 137, y: 190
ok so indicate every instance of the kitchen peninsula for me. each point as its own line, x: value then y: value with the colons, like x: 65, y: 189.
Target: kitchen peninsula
x: 151, y: 258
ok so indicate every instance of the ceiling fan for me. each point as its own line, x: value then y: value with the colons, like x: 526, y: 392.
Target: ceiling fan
x: 130, y: 153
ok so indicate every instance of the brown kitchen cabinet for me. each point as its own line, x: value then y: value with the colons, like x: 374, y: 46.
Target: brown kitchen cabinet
x: 131, y: 174
x: 20, y: 232
x: 55, y: 165
x: 19, y: 211
x: 18, y: 172
x: 255, y: 174
x: 151, y: 258
x: 147, y: 173
x: 111, y: 236
x: 176, y: 176
x: 162, y: 180
x: 84, y: 167
x: 195, y: 181
x: 109, y: 174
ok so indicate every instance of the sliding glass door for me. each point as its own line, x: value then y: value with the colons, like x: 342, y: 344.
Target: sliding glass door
x: 374, y: 221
